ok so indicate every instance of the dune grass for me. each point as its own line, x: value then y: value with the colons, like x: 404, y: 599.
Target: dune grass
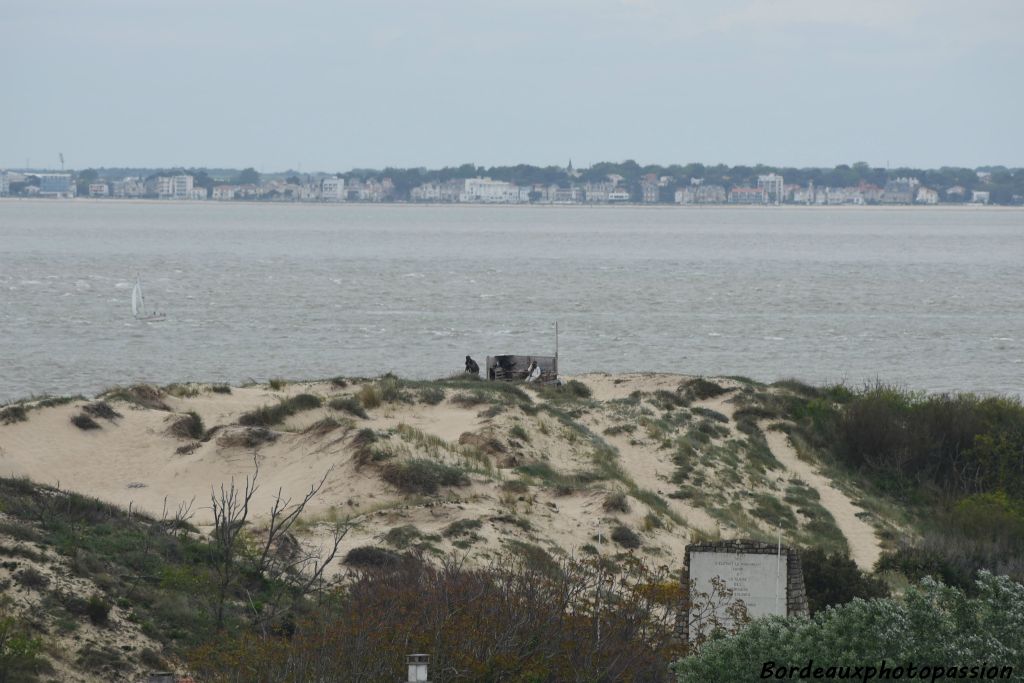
x: 267, y: 416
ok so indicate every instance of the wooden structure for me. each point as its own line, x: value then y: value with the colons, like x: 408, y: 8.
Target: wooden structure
x: 508, y: 368
x: 511, y: 367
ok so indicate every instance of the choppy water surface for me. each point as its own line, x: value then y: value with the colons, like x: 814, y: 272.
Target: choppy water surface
x: 931, y: 298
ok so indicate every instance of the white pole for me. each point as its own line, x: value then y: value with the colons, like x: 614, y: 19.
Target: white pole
x: 778, y: 569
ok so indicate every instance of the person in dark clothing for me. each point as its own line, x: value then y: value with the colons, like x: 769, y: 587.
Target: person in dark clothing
x: 471, y: 367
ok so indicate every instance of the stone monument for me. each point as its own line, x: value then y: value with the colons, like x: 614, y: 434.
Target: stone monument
x: 767, y: 577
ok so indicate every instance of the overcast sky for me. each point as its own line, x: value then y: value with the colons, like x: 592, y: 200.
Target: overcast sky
x: 331, y: 85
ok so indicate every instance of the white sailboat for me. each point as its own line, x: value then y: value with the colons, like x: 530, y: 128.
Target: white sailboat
x: 139, y: 305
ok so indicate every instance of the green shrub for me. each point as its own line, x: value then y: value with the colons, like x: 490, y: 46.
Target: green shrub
x: 220, y: 389
x: 991, y: 516
x: 350, y: 405
x: 370, y: 556
x: 625, y: 537
x: 247, y: 438
x: 402, y: 537
x: 12, y: 414
x: 701, y: 389
x: 142, y: 395
x: 188, y: 426
x: 515, y: 486
x: 469, y: 399
x: 362, y: 443
x: 97, y: 609
x: 669, y: 400
x: 923, y: 627
x: 461, y: 527
x: 834, y: 579
x: 518, y: 432
x: 323, y: 426
x: 277, y: 384
x: 431, y: 395
x: 369, y: 396
x: 616, y: 502
x: 772, y: 510
x: 84, y: 422
x: 32, y: 579
x: 711, y: 414
x: 267, y: 416
x: 301, y: 402
x: 422, y: 476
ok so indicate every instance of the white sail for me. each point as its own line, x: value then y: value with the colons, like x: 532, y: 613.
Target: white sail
x: 137, y: 299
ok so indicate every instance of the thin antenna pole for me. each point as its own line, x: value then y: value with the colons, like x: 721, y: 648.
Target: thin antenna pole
x: 556, y: 348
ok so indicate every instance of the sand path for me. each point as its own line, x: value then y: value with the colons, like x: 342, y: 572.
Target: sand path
x: 860, y: 536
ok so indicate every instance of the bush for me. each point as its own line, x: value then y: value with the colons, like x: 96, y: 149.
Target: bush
x: 370, y: 556
x: 84, y: 422
x: 142, y: 395
x: 461, y: 527
x: 362, y: 444
x: 97, y: 609
x: 32, y: 579
x: 930, y: 622
x: 302, y: 402
x: 369, y: 396
x: 431, y: 395
x: 625, y: 537
x: 220, y: 389
x: 247, y: 438
x: 835, y: 579
x: 701, y: 389
x: 468, y: 400
x: 525, y: 617
x: 12, y: 414
x: 101, y: 409
x: 322, y: 426
x: 422, y: 476
x: 616, y: 502
x: 188, y: 426
x: 402, y: 537
x: 518, y: 432
x: 711, y: 414
x: 267, y: 416
x: 350, y: 405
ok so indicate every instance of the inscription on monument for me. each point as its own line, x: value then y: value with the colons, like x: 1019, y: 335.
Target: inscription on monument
x: 759, y: 580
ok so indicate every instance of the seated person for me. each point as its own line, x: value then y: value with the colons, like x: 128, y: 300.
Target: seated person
x: 471, y: 367
x: 535, y: 372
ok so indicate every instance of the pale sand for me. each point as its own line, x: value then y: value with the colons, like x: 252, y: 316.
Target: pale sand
x: 132, y: 461
x: 865, y: 548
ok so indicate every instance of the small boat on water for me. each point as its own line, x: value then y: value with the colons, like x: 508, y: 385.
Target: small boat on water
x: 139, y: 305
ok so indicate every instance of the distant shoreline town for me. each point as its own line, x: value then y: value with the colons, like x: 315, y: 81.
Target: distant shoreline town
x: 604, y: 183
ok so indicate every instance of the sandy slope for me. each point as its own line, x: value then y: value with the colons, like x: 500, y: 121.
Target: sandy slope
x: 134, y: 461
x: 864, y: 546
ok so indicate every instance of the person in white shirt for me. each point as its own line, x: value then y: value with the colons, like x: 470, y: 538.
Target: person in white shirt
x: 534, y: 372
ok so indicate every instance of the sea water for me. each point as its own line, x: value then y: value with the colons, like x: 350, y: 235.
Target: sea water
x: 930, y: 298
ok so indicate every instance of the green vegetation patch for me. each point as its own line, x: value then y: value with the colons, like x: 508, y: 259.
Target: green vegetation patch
x: 350, y: 405
x: 142, y: 395
x: 267, y: 416
x: 422, y: 476
x: 187, y: 426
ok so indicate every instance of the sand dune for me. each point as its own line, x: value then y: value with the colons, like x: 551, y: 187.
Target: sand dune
x: 541, y: 466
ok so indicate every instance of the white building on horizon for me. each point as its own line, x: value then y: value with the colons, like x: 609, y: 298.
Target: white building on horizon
x: 773, y: 186
x: 488, y: 191
x: 332, y: 189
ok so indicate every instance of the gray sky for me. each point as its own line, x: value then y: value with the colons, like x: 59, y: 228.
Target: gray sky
x: 333, y: 85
